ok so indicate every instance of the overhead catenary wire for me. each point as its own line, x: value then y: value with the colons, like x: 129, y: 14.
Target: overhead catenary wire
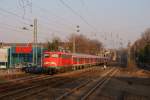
x: 24, y: 4
x: 46, y: 20
x: 46, y: 26
x: 76, y: 13
x: 16, y: 15
x: 21, y: 31
x: 12, y: 28
x: 25, y: 20
x: 55, y: 15
x: 12, y: 23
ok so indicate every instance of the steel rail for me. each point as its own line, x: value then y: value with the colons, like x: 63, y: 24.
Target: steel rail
x: 100, y: 84
x: 35, y: 86
x: 18, y: 82
x: 82, y: 85
x: 40, y: 90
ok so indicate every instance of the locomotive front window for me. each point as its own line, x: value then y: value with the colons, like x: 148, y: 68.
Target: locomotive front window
x: 46, y: 55
x: 54, y: 55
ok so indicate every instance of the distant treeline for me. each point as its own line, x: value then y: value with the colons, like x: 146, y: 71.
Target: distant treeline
x: 141, y: 48
x: 82, y: 44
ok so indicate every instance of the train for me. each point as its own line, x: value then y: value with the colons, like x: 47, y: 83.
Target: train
x: 57, y: 62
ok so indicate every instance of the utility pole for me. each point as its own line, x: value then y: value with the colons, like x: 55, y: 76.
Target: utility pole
x: 41, y: 54
x: 74, y: 40
x: 74, y: 44
x: 129, y: 54
x: 35, y: 42
x: 10, y: 53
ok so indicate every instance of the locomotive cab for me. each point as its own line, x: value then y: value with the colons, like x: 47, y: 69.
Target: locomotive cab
x: 51, y: 59
x: 57, y: 60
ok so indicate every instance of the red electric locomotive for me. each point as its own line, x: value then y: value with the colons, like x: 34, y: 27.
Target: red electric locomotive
x: 57, y: 60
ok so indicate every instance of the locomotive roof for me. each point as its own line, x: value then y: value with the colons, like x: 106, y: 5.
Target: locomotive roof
x: 76, y: 54
x: 56, y: 52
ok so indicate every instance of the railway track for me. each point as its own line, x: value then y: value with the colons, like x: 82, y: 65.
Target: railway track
x: 99, y: 85
x: 84, y: 77
x: 20, y: 80
x: 35, y: 88
x: 19, y: 83
x: 73, y: 82
x: 86, y: 89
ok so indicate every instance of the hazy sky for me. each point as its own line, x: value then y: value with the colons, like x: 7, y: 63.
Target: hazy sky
x: 110, y: 21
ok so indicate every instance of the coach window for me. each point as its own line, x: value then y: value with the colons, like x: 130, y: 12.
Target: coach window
x: 75, y: 59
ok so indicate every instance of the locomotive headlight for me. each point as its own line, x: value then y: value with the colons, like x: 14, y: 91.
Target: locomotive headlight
x: 51, y: 63
x: 46, y: 63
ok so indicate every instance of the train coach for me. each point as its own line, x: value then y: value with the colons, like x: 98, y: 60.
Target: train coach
x: 54, y: 62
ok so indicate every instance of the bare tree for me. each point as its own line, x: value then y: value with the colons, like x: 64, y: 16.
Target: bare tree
x: 54, y: 45
x: 146, y: 36
x: 141, y: 48
x: 85, y: 45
